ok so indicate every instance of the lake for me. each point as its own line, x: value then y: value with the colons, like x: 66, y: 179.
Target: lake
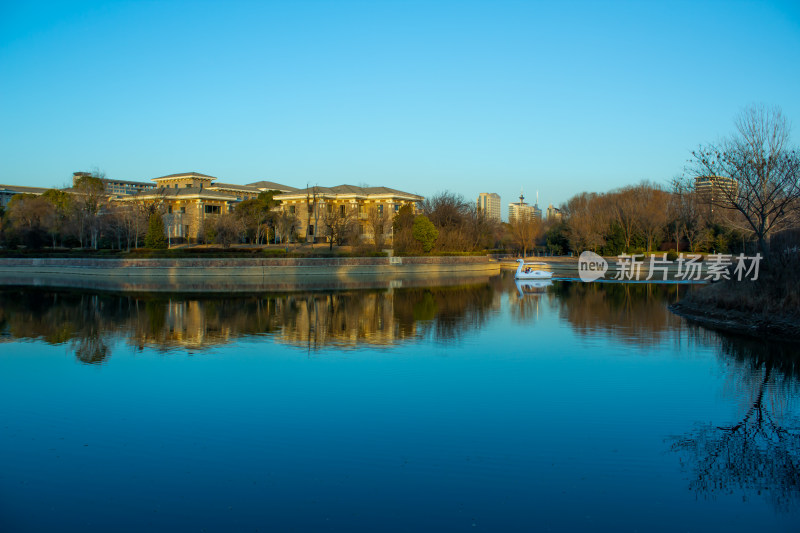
x: 461, y: 407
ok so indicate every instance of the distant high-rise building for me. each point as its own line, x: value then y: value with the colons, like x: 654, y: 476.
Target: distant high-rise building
x: 518, y: 211
x: 715, y: 191
x: 489, y: 205
x: 553, y: 213
x: 715, y: 188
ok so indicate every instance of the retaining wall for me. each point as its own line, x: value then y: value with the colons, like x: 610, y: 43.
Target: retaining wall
x: 248, y: 273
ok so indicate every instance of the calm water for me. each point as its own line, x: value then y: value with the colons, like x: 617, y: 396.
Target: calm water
x: 570, y: 407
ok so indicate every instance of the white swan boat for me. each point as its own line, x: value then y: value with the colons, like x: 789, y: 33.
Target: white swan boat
x: 531, y: 271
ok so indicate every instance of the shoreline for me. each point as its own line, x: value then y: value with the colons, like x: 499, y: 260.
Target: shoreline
x: 242, y: 274
x: 738, y: 322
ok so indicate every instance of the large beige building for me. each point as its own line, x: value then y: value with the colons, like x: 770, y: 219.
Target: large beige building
x: 192, y: 200
x: 311, y: 206
x: 489, y: 205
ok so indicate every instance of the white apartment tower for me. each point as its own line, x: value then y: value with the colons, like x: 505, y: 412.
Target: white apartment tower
x: 523, y: 211
x: 489, y: 205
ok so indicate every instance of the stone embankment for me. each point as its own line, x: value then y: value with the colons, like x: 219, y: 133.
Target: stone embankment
x: 241, y: 274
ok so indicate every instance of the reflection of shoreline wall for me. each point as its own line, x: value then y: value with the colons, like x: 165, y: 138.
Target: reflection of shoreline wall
x: 227, y: 285
x: 246, y: 266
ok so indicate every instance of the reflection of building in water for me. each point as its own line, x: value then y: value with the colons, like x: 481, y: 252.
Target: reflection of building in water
x: 91, y: 322
x: 344, y: 319
x: 181, y: 323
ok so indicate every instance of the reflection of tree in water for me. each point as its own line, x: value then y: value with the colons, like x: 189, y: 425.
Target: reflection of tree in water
x: 632, y: 312
x: 59, y: 317
x: 91, y: 349
x: 444, y: 313
x: 312, y: 320
x: 760, y: 451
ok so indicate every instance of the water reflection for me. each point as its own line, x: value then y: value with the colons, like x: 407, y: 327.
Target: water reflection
x: 468, y: 405
x: 758, y: 449
x: 91, y: 323
x: 635, y: 313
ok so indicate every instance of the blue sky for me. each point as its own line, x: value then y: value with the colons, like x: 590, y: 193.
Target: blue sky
x: 558, y: 97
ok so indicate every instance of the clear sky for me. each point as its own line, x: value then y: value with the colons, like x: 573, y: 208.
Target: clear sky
x: 558, y: 97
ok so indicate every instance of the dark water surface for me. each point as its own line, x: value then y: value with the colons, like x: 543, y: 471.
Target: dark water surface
x: 570, y: 407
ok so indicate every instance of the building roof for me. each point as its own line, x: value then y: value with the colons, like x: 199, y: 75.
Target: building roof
x: 18, y: 189
x: 186, y: 192
x: 272, y: 186
x: 234, y: 187
x: 125, y: 182
x: 350, y: 190
x: 196, y: 175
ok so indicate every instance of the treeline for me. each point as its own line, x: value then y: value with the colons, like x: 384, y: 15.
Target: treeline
x: 636, y: 219
x: 81, y: 218
x: 647, y: 218
x: 444, y: 223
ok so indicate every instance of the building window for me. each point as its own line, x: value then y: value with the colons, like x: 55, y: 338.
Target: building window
x: 212, y: 209
x: 311, y: 230
x: 341, y: 209
x: 291, y: 210
x: 380, y: 210
x: 169, y: 210
x: 183, y: 210
x: 188, y: 185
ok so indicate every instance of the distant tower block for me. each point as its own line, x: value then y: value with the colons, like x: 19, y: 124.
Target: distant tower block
x: 489, y: 205
x: 519, y: 211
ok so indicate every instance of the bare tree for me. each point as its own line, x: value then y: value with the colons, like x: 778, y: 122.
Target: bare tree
x: 763, y: 169
x: 31, y: 218
x: 313, y: 211
x: 689, y: 219
x: 379, y: 221
x: 652, y: 211
x: 586, y: 220
x: 285, y: 224
x: 625, y: 207
x: 61, y: 201
x: 525, y: 232
x: 340, y: 222
x: 90, y: 199
x: 226, y: 229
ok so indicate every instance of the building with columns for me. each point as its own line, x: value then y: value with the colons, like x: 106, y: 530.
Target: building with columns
x: 190, y: 200
x: 311, y: 206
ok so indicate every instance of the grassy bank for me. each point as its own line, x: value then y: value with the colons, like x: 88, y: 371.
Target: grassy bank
x: 768, y: 307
